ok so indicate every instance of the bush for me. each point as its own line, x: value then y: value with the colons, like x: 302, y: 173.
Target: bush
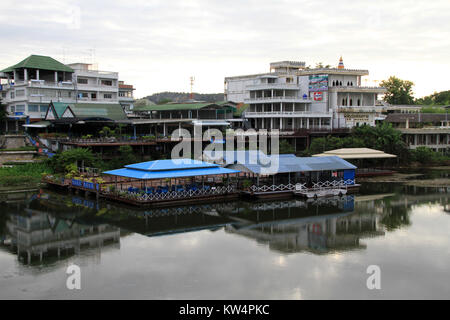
x: 65, y: 161
x: 427, y: 156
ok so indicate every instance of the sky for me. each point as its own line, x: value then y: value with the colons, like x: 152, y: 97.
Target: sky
x: 158, y: 45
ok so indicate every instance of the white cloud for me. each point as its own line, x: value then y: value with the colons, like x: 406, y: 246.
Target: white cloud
x: 158, y: 45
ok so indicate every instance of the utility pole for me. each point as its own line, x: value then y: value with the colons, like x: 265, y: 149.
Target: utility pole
x: 191, y: 96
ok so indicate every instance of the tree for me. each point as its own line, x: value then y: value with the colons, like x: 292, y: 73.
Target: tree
x: 285, y: 147
x: 61, y: 161
x: 398, y: 91
x: 437, y: 98
x: 320, y: 65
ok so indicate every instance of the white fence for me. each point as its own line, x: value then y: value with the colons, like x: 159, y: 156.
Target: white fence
x: 173, y: 195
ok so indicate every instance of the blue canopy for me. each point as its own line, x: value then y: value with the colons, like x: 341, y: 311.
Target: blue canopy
x: 163, y: 169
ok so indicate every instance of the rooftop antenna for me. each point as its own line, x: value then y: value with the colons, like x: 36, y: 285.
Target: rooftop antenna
x: 191, y: 96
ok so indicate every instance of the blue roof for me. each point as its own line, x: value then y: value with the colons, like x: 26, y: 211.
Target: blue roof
x: 173, y: 164
x: 163, y: 169
x: 273, y: 164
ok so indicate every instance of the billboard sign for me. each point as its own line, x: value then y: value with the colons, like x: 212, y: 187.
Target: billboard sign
x: 318, y: 96
x: 318, y: 82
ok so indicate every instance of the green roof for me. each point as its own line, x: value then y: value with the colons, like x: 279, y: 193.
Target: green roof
x: 175, y: 106
x: 92, y: 110
x: 60, y: 107
x: 40, y: 62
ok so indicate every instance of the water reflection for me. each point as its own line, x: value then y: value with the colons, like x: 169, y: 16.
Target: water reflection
x: 50, y: 227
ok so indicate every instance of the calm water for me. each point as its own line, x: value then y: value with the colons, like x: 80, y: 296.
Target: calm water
x: 241, y: 250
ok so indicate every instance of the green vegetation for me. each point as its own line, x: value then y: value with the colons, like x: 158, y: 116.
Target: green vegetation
x: 285, y: 147
x: 437, y: 98
x: 164, y: 101
x: 433, y: 110
x: 426, y: 156
x: 28, y: 174
x: 398, y: 91
x: 382, y: 137
x: 240, y: 109
x: 83, y: 157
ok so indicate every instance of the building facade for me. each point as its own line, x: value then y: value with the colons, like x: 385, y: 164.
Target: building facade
x: 28, y: 87
x: 292, y: 97
x: 431, y: 130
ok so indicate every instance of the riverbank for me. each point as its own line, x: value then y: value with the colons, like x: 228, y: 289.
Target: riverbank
x: 23, y: 176
x: 414, y: 179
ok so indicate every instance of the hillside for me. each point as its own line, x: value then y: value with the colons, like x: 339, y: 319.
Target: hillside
x: 183, y: 96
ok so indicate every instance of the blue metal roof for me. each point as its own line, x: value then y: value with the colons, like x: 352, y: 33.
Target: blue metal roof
x: 270, y: 165
x: 148, y: 175
x: 176, y: 168
x: 172, y: 164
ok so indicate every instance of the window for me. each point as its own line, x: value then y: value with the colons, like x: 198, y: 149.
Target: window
x: 107, y: 96
x: 121, y: 94
x: 12, y: 109
x: 83, y: 95
x: 43, y: 108
x: 20, y: 108
x: 20, y: 93
x: 106, y: 83
x: 82, y: 81
x: 12, y: 95
x: 33, y: 108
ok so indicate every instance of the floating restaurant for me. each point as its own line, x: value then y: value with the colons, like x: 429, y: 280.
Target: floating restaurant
x: 165, y: 182
x: 248, y: 173
x: 287, y: 174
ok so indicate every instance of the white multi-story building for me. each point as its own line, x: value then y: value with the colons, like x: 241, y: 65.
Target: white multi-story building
x: 126, y: 97
x: 292, y: 97
x: 28, y: 87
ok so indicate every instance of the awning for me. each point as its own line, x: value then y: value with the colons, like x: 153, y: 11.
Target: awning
x: 40, y: 124
x: 356, y: 153
x: 168, y: 169
x: 210, y: 123
x: 169, y: 174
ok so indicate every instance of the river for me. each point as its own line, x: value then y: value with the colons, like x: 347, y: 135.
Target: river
x: 292, y: 249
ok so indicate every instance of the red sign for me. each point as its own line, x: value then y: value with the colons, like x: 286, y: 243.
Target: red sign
x: 318, y: 96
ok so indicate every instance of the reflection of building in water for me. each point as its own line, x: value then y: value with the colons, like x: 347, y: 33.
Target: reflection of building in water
x: 320, y: 234
x: 37, y: 236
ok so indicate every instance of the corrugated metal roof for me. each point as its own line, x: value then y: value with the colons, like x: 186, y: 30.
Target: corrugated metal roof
x: 169, y: 174
x: 110, y: 111
x: 259, y: 163
x: 171, y: 164
x: 356, y: 153
x: 40, y: 62
x: 175, y: 106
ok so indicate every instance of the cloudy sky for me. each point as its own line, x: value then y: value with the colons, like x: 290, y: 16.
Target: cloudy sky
x: 157, y: 45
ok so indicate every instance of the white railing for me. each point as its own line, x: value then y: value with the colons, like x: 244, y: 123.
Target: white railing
x: 333, y: 184
x: 286, y: 113
x: 296, y: 98
x: 272, y: 188
x: 276, y: 86
x: 173, y: 195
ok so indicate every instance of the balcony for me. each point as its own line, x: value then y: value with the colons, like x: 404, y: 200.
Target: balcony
x: 292, y: 99
x: 363, y: 109
x: 287, y: 114
x: 276, y: 86
x: 358, y: 89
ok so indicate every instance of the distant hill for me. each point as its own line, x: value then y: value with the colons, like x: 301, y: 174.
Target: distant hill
x: 183, y: 96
